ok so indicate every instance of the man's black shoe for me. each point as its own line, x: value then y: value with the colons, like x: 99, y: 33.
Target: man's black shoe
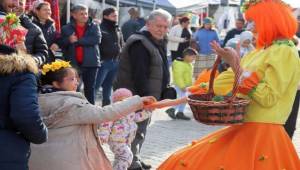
x: 180, y: 115
x: 146, y: 166
x: 171, y: 113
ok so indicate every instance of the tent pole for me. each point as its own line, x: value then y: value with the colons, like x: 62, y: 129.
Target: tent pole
x: 207, y: 12
x: 154, y: 4
x: 103, y: 4
x: 201, y: 16
x: 68, y: 10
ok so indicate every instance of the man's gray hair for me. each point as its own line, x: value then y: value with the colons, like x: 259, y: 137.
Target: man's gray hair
x: 160, y: 13
x: 78, y: 7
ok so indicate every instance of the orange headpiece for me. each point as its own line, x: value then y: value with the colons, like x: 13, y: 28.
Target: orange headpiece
x: 273, y: 20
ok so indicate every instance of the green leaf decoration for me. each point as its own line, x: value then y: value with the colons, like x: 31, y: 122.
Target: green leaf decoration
x: 218, y: 98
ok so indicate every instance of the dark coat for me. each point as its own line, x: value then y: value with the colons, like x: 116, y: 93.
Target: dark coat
x: 143, y: 66
x: 50, y: 34
x: 231, y: 34
x: 90, y: 43
x: 130, y: 27
x: 112, y: 40
x: 20, y: 123
x: 35, y: 42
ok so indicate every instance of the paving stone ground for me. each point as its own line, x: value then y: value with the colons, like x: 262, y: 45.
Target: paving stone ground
x: 165, y: 136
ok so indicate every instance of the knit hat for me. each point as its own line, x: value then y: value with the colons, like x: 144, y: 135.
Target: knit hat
x: 35, y: 4
x: 207, y: 20
x: 121, y: 94
x: 246, y: 35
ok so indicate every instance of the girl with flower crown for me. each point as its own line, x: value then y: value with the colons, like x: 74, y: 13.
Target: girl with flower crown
x: 270, y: 75
x: 72, y: 122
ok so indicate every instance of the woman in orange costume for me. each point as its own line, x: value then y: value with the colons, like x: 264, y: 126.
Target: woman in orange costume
x: 270, y: 75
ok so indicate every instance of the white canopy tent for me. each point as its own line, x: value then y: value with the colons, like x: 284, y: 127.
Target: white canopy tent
x: 293, y: 3
x: 190, y: 5
x: 173, y: 6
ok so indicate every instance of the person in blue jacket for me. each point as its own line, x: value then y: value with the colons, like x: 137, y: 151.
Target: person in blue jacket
x: 20, y: 123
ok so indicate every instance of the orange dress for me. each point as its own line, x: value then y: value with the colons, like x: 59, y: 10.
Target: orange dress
x: 238, y: 147
x: 260, y: 143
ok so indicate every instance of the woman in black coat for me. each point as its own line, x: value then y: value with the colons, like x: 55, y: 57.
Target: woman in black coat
x: 42, y: 18
x: 20, y: 123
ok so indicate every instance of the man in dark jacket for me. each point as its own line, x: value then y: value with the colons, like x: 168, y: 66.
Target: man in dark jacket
x: 239, y: 28
x: 20, y: 123
x: 110, y: 48
x: 35, y: 42
x: 144, y: 70
x: 80, y: 44
x: 132, y: 25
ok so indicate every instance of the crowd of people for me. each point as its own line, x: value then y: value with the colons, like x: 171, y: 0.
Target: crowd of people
x: 47, y: 123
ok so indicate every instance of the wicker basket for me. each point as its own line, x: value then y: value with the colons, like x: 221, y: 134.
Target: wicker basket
x: 229, y: 111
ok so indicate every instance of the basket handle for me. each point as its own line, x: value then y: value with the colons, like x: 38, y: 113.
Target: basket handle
x: 212, y: 78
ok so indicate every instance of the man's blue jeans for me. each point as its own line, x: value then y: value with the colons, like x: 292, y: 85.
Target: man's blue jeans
x: 89, y: 75
x: 105, y: 77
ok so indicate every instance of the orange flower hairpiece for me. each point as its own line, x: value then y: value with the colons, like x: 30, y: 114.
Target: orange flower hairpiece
x: 248, y: 3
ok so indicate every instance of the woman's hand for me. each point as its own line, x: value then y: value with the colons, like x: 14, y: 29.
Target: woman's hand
x: 20, y: 43
x: 21, y: 47
x: 54, y: 47
x: 229, y: 55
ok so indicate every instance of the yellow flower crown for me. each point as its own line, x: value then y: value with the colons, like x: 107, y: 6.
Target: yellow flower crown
x: 56, y: 65
x: 248, y: 3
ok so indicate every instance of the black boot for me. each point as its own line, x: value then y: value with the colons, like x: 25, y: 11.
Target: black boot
x: 180, y: 115
x: 171, y: 113
x: 139, y: 168
x: 146, y: 166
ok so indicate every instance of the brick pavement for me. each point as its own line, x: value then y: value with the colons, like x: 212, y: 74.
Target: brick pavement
x: 166, y: 136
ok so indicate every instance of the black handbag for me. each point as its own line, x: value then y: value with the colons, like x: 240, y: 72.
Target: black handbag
x: 168, y: 93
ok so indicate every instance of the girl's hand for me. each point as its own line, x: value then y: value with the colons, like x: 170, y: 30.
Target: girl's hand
x: 166, y: 103
x: 160, y: 104
x: 229, y: 55
x: 147, y: 101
